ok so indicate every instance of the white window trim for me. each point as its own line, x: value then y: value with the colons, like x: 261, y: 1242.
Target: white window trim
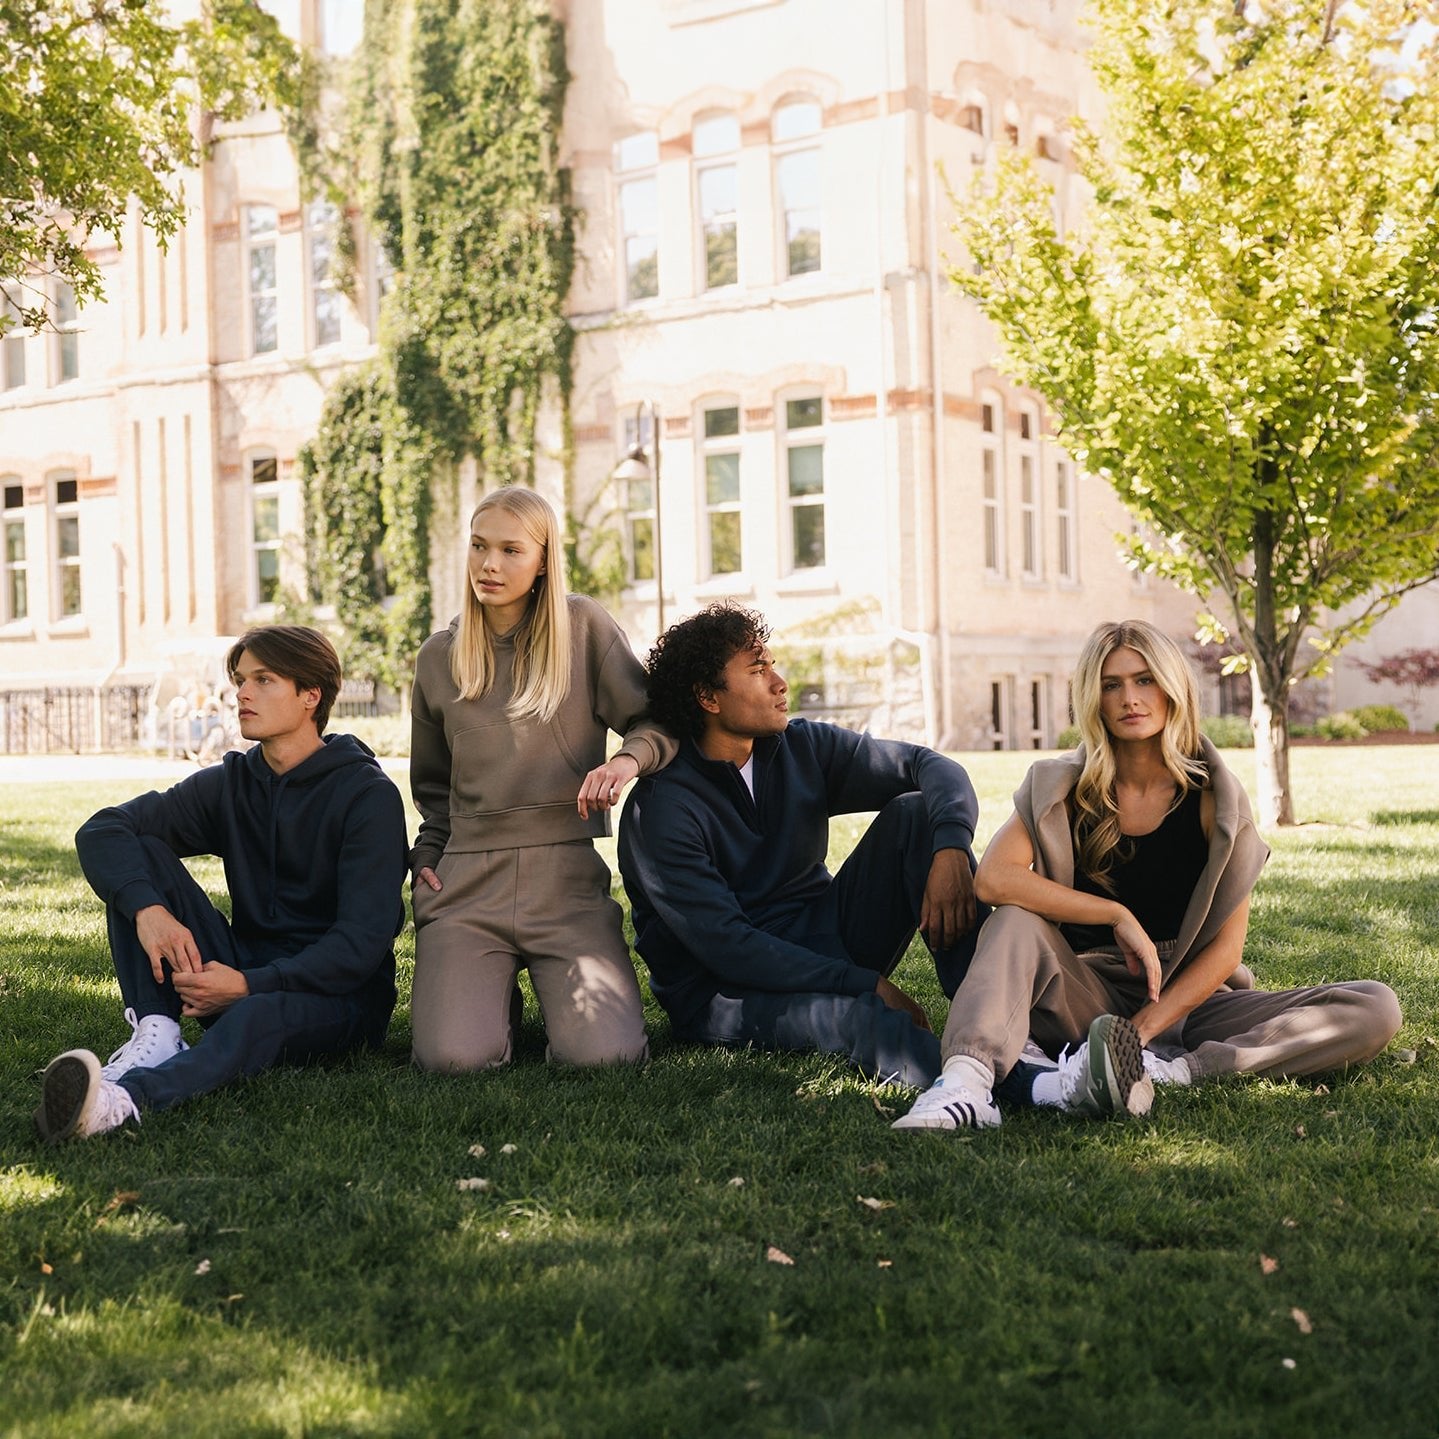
x: 1067, y: 522
x: 641, y: 174
x: 268, y: 489
x: 249, y: 244
x: 720, y: 445
x: 10, y: 515
x: 64, y: 510
x: 1031, y: 513
x: 803, y: 437
x: 992, y: 442
x: 65, y: 331
x: 703, y: 165
x: 331, y: 219
x: 808, y: 143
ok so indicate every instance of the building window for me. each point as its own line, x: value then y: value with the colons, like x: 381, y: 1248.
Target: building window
x: 342, y: 26
x: 722, y: 492
x: 262, y: 228
x: 716, y: 137
x: 321, y: 218
x: 1037, y: 690
x: 16, y: 596
x: 636, y: 158
x: 999, y: 714
x: 992, y: 487
x: 67, y: 334
x: 12, y: 348
x: 804, y: 472
x: 795, y: 130
x: 1030, y: 541
x: 1066, y: 517
x: 640, y: 502
x: 67, y: 545
x: 265, y: 528
x: 972, y: 117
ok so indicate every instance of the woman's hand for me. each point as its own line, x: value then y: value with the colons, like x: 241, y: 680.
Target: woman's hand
x: 427, y: 876
x: 1140, y: 955
x: 602, y: 786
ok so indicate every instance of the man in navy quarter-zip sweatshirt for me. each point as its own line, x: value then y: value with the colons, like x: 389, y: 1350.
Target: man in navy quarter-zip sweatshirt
x: 748, y: 937
x: 312, y: 835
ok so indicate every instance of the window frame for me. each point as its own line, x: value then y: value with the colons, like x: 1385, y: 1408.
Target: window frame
x: 252, y: 242
x: 266, y: 491
x: 67, y: 335
x: 639, y: 433
x: 65, y: 513
x: 708, y: 162
x: 1031, y: 515
x: 792, y: 438
x: 1066, y: 516
x: 322, y: 221
x: 991, y: 490
x: 12, y: 344
x: 802, y: 144
x: 13, y: 515
x: 712, y: 447
x: 632, y: 173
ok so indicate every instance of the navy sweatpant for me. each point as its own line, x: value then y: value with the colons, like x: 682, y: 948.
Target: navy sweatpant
x: 253, y: 1033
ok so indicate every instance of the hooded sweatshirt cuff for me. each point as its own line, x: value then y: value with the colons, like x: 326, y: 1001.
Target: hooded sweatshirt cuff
x: 264, y: 980
x: 136, y: 895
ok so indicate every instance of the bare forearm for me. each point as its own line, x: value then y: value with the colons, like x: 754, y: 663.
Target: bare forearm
x: 1010, y: 884
x: 1198, y: 979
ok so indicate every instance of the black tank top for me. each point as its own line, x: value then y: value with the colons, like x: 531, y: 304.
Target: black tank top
x: 1154, y: 875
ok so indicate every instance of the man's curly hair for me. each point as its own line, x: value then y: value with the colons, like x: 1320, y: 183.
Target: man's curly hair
x: 691, y: 656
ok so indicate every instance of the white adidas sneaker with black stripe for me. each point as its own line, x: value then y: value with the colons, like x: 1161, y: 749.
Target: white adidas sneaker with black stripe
x: 949, y: 1103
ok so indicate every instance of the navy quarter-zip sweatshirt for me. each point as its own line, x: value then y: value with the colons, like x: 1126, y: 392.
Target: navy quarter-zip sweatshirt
x: 716, y: 879
x: 314, y: 862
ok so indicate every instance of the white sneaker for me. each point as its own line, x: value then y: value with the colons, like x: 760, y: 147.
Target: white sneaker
x: 1033, y: 1054
x: 950, y: 1104
x: 1105, y: 1075
x: 1167, y: 1071
x: 77, y: 1101
x: 154, y: 1039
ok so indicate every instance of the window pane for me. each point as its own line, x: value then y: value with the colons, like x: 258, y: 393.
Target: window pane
x: 802, y: 241
x: 806, y: 470
x: 799, y: 180
x: 327, y: 317
x: 14, y: 541
x: 14, y: 496
x: 14, y: 361
x: 642, y: 267
x: 265, y: 470
x: 18, y: 598
x: 260, y: 219
x: 639, y: 207
x: 725, y: 543
x: 991, y: 538
x: 65, y: 311
x: 799, y: 118
x: 67, y: 537
x: 808, y: 536
x: 716, y: 135
x: 718, y: 192
x: 642, y: 549
x: 721, y: 256
x: 266, y: 334
x: 267, y: 574
x: 721, y: 479
x: 990, y: 484
x: 642, y: 495
x: 69, y: 355
x: 66, y: 492
x: 720, y: 422
x: 70, y: 590
x: 801, y: 414
x: 267, y: 518
x: 262, y: 268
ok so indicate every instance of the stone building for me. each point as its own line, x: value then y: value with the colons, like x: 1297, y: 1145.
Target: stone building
x: 761, y: 306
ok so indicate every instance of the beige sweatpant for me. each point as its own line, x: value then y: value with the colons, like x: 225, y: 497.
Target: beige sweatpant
x: 546, y: 907
x: 1026, y: 980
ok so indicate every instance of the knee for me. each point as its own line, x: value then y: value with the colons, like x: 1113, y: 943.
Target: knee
x: 1009, y: 924
x: 1377, y: 1015
x: 437, y: 1056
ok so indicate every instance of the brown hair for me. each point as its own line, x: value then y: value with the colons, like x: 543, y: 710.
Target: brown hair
x: 296, y: 653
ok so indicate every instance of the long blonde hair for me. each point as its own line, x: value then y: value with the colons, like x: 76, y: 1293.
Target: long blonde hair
x: 542, y: 639
x: 1094, y: 816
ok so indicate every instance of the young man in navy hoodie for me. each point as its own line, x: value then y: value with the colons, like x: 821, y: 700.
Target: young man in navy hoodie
x: 312, y: 834
x: 748, y: 937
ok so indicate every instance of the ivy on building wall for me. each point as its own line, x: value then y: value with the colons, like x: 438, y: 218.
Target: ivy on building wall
x: 450, y: 137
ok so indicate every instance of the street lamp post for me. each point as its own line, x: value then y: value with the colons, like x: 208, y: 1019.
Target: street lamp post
x: 636, y: 467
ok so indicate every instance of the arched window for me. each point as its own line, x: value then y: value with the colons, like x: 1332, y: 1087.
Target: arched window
x: 15, y: 598
x: 264, y: 493
x: 1031, y: 542
x: 636, y: 164
x: 716, y: 150
x: 261, y: 231
x: 991, y: 465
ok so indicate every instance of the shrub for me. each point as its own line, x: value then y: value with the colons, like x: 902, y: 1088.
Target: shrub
x: 1228, y: 731
x: 1340, y: 726
x: 385, y: 734
x: 1379, y: 718
x: 1068, y: 737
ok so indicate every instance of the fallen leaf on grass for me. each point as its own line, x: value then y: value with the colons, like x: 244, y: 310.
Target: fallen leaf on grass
x: 121, y: 1199
x: 203, y: 1267
x: 508, y: 1148
x: 1405, y: 1056
x: 884, y: 1111
x: 777, y: 1256
x: 1289, y: 1223
x: 476, y: 1183
x: 1321, y: 1089
x: 477, y: 1151
x: 1301, y: 1320
x: 736, y: 1183
x: 874, y: 1203
x: 1288, y: 1364
x: 1299, y: 1132
x: 886, y: 1263
x: 1267, y: 1265
x: 46, y: 1268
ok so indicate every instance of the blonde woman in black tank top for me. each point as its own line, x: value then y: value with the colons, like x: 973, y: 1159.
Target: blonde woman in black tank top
x: 1099, y: 838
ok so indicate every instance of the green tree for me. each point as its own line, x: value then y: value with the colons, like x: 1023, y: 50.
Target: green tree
x: 1240, y: 336
x: 105, y: 101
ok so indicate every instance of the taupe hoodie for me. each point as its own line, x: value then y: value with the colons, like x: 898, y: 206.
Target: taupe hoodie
x: 1236, y: 853
x: 483, y: 781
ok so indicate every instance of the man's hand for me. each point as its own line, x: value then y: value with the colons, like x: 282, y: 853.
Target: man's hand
x: 165, y: 939
x: 216, y: 987
x: 896, y: 998
x: 948, y: 909
x: 602, y: 786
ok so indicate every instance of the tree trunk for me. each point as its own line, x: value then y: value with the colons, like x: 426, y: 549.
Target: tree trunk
x: 1269, y: 718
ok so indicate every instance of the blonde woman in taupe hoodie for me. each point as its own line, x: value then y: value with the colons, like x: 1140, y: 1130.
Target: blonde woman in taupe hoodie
x: 512, y: 709
x: 1121, y: 885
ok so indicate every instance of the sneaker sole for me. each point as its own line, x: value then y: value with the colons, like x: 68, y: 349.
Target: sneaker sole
x: 1123, y: 1086
x: 69, y: 1083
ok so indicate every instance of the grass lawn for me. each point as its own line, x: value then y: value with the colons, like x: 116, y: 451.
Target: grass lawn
x: 294, y: 1255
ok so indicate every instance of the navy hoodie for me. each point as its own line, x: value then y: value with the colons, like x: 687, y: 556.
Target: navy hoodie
x: 314, y: 862
x: 716, y: 879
